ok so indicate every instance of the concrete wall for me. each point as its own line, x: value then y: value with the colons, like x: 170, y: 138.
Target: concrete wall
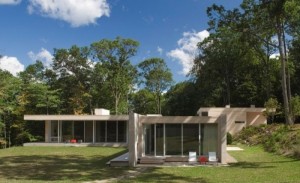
x: 237, y: 118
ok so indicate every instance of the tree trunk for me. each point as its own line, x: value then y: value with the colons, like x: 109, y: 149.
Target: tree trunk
x: 280, y: 33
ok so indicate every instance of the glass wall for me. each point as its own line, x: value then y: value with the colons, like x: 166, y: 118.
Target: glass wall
x: 149, y: 139
x: 159, y: 139
x: 111, y: 134
x: 111, y: 131
x: 209, y: 138
x: 88, y: 131
x: 122, y: 129
x: 100, y: 131
x: 54, y: 132
x: 79, y: 130
x: 190, y: 138
x: 173, y: 139
x: 67, y: 131
x: 180, y: 139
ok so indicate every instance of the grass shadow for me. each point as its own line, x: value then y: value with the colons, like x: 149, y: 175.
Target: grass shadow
x: 58, y: 168
x: 155, y: 175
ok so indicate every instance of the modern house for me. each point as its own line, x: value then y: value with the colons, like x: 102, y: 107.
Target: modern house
x: 237, y: 118
x: 150, y: 138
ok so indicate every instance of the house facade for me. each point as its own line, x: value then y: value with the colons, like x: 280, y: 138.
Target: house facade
x: 171, y: 138
x: 237, y: 118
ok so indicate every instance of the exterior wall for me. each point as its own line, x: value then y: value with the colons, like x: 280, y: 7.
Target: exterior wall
x: 222, y: 139
x: 255, y: 118
x: 133, y: 140
x: 237, y: 118
x: 47, y: 131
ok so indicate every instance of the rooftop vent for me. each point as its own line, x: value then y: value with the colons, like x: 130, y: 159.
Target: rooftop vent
x: 102, y: 112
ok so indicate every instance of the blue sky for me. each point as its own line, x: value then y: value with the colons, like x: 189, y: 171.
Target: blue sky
x: 169, y: 29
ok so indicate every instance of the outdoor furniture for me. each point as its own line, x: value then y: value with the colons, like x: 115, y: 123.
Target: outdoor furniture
x: 203, y: 159
x: 73, y: 140
x: 212, y: 157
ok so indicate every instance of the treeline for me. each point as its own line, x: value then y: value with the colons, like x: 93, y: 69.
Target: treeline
x: 79, y: 80
x: 235, y: 65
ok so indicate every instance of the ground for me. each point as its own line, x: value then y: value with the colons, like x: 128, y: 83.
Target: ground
x: 88, y: 164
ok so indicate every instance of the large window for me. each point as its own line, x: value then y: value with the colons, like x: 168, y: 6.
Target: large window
x: 54, y: 136
x: 122, y: 128
x: 67, y: 130
x: 209, y: 136
x: 88, y: 131
x: 190, y: 138
x: 180, y: 139
x: 79, y: 130
x: 159, y: 139
x: 100, y: 131
x: 173, y: 139
x: 111, y: 131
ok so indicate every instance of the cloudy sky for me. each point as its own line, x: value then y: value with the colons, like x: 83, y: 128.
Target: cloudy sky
x: 169, y: 29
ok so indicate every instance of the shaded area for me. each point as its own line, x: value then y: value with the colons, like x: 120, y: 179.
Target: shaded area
x: 155, y: 175
x: 58, y: 168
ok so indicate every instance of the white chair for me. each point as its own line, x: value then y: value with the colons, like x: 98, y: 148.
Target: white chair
x: 212, y: 157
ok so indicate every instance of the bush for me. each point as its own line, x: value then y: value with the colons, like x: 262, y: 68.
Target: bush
x: 280, y: 139
x: 23, y: 138
x: 2, y: 143
x: 229, y: 138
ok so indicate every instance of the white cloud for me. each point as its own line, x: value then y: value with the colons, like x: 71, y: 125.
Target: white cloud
x: 275, y: 56
x: 11, y: 64
x: 44, y: 55
x: 77, y: 13
x: 160, y: 50
x: 10, y: 2
x: 187, y: 49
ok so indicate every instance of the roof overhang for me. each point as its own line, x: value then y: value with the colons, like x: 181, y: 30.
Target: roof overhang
x: 76, y: 117
x: 177, y: 119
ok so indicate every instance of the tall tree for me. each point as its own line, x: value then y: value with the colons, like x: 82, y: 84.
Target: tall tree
x: 73, y: 71
x: 119, y: 73
x: 156, y: 77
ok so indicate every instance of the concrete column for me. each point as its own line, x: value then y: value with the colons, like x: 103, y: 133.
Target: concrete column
x: 222, y: 138
x: 47, y: 131
x: 133, y: 139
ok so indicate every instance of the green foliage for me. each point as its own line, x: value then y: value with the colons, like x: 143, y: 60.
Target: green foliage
x: 157, y: 78
x: 181, y: 100
x: 295, y: 106
x: 229, y: 138
x: 118, y: 73
x: 280, y: 139
x: 143, y: 102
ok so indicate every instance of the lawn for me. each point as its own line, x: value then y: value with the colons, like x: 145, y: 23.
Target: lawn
x: 57, y: 164
x: 254, y: 166
x: 80, y: 164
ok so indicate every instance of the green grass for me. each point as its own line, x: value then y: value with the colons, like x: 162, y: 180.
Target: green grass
x: 80, y: 164
x: 57, y: 164
x: 254, y: 165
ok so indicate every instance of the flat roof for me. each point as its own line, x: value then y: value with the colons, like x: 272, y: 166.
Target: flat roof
x: 177, y: 119
x: 232, y: 109
x: 76, y: 117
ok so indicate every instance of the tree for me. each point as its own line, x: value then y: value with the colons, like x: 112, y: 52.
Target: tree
x: 182, y: 99
x: 73, y: 72
x: 156, y: 77
x: 142, y: 102
x: 118, y: 72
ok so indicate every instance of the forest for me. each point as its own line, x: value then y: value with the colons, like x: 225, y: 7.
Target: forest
x: 252, y: 57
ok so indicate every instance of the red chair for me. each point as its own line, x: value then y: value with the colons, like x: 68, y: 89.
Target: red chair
x: 73, y: 141
x: 203, y: 159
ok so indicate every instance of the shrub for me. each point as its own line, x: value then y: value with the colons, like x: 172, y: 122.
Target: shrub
x: 23, y: 138
x: 229, y: 138
x: 2, y: 143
